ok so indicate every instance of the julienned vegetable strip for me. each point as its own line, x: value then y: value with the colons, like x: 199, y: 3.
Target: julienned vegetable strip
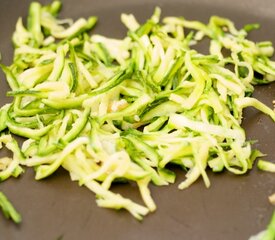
x: 8, y: 209
x: 128, y: 109
x: 268, y: 233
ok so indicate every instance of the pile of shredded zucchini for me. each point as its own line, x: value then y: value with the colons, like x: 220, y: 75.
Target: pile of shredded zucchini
x: 119, y: 110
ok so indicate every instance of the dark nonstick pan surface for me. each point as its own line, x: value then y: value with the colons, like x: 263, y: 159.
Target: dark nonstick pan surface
x: 235, y: 207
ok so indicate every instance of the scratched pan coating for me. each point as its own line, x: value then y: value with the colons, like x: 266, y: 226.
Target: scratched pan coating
x: 234, y: 207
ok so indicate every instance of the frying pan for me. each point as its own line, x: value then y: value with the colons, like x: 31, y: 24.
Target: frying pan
x: 235, y: 207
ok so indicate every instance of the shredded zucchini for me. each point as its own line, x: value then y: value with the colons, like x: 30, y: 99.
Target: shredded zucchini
x: 8, y: 209
x: 268, y: 233
x: 128, y: 109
